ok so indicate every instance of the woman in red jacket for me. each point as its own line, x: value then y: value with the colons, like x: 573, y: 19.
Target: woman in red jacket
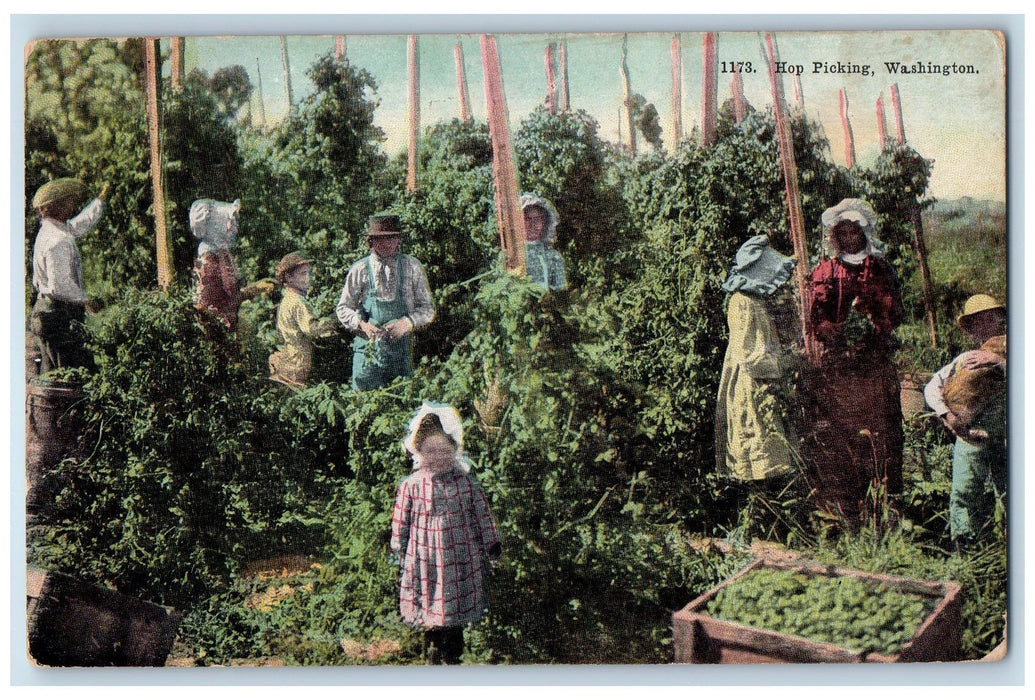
x: 853, y: 405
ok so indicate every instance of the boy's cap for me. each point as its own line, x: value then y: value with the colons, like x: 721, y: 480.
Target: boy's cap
x: 288, y: 263
x: 976, y: 304
x: 383, y: 226
x: 56, y: 190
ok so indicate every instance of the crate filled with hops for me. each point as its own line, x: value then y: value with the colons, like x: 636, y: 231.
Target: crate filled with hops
x: 792, y: 612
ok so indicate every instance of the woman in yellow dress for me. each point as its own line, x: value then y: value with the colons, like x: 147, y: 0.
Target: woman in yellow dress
x: 751, y: 441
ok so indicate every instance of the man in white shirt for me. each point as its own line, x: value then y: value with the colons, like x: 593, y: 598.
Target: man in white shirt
x: 386, y: 297
x: 57, y: 274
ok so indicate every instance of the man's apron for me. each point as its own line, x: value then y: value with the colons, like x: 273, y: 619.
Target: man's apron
x: 375, y: 364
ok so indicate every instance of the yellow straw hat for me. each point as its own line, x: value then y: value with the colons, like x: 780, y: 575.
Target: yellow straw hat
x: 976, y: 304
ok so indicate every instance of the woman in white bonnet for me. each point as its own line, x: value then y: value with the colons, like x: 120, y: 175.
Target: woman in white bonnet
x: 544, y: 265
x: 854, y: 394
x: 218, y: 289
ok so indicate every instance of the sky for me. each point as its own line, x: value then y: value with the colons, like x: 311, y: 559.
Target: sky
x: 956, y: 119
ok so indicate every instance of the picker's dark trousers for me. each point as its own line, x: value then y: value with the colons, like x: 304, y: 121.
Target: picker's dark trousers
x: 444, y: 645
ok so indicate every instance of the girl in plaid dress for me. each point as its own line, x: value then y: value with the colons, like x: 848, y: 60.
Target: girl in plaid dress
x: 445, y: 536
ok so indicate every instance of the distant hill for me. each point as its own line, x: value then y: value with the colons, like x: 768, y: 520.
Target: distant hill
x: 967, y: 207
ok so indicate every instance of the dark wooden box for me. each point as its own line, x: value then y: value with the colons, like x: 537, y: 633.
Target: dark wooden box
x: 699, y: 638
x: 71, y: 623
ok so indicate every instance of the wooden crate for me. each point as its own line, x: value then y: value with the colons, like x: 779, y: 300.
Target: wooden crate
x: 699, y: 638
x: 72, y: 623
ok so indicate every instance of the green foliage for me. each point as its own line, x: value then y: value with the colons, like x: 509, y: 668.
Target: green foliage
x: 185, y: 467
x: 74, y: 128
x: 232, y: 87
x: 202, y: 160
x: 451, y: 225
x: 896, y: 188
x: 561, y: 157
x: 587, y: 549
x: 645, y: 119
x: 313, y: 182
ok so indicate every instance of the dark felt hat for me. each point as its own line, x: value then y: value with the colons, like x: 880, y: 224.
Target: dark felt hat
x: 383, y: 226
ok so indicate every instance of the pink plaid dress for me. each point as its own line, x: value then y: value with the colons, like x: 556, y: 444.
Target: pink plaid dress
x: 443, y: 522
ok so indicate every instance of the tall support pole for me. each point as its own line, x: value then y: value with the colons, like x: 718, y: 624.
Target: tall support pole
x: 551, y: 82
x: 509, y: 219
x: 163, y: 248
x: 627, y: 93
x: 846, y: 127
x: 882, y: 126
x: 461, y: 84
x: 739, y: 103
x: 709, y: 97
x: 790, y: 177
x: 339, y: 48
x: 563, y: 58
x: 896, y: 106
x: 799, y: 94
x: 176, y: 48
x: 925, y: 273
x: 677, y: 91
x: 262, y: 105
x: 287, y: 74
x: 413, y: 112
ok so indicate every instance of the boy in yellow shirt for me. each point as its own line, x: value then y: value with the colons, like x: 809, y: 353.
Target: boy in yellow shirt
x: 296, y: 327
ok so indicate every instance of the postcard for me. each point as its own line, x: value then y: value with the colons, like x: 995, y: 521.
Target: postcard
x: 506, y: 349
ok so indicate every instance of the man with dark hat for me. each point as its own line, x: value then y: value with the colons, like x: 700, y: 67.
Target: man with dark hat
x: 296, y: 327
x: 385, y: 298
x: 58, y: 312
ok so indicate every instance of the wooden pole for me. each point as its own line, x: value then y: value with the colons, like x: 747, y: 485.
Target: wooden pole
x: 339, y: 48
x: 627, y: 92
x: 509, y: 219
x: 846, y: 127
x: 287, y: 74
x: 262, y: 106
x: 799, y: 94
x: 896, y: 106
x: 739, y: 104
x: 709, y: 98
x: 925, y: 273
x: 677, y: 91
x: 461, y: 84
x: 790, y: 177
x: 177, y: 44
x: 551, y: 82
x: 163, y: 248
x: 563, y: 58
x: 882, y: 127
x: 413, y: 112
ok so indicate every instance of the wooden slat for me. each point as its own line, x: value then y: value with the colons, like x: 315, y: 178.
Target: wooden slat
x: 509, y: 220
x: 896, y: 106
x: 413, y: 111
x: 792, y: 197
x: 562, y: 52
x: 461, y: 83
x: 551, y: 82
x: 882, y: 127
x: 163, y: 246
x: 677, y: 90
x: 709, y: 96
x: 846, y: 127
